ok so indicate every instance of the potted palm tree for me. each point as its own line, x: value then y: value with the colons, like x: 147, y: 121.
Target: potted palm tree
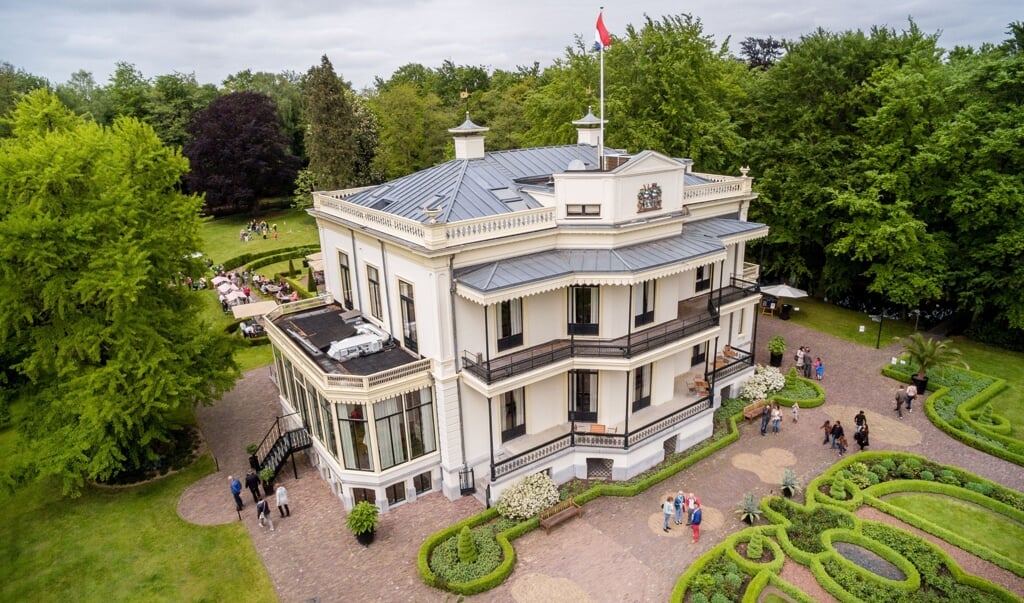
x: 363, y: 520
x: 926, y: 354
x: 777, y: 347
x: 748, y: 510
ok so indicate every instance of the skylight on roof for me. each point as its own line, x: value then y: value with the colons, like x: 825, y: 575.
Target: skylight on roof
x: 506, y: 194
x: 380, y: 190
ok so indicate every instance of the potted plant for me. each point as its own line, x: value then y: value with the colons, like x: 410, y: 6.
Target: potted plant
x: 777, y: 347
x: 363, y: 520
x: 926, y: 354
x: 748, y: 510
x: 267, y: 475
x: 790, y: 484
x: 254, y: 461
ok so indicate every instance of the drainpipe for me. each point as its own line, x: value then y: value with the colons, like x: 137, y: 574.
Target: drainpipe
x: 490, y: 436
x: 387, y: 289
x: 355, y: 270
x: 455, y: 346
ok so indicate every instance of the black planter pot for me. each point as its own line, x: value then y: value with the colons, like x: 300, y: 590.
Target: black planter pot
x: 775, y: 359
x: 365, y: 538
x: 920, y: 384
x: 787, y: 492
x: 254, y: 462
x: 268, y: 488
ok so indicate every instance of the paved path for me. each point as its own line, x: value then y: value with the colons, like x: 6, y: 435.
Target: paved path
x: 616, y: 551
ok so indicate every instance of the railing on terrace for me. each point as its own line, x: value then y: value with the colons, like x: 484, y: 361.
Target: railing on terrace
x: 381, y: 378
x: 281, y: 442
x: 438, y: 235
x: 738, y: 289
x: 298, y: 306
x: 719, y: 188
x: 546, y: 450
x: 550, y: 352
x: 751, y: 272
x: 732, y: 365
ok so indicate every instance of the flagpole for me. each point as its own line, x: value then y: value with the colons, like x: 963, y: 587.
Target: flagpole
x: 600, y: 142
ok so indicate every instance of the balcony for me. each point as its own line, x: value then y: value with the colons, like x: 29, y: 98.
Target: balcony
x: 731, y: 362
x: 563, y: 439
x: 694, y: 315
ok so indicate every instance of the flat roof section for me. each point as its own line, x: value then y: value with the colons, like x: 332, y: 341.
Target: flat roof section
x: 315, y: 329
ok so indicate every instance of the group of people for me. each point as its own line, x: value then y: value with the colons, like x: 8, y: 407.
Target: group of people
x: 808, y: 367
x: 771, y: 413
x: 683, y: 503
x: 255, y: 229
x: 263, y: 507
x: 835, y: 433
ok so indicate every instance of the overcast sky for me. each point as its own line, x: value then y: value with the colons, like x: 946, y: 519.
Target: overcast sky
x: 368, y: 38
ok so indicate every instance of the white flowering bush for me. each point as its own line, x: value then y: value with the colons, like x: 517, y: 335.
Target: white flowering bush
x: 766, y: 381
x: 529, y: 496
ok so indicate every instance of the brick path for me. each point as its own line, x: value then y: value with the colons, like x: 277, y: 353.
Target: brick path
x: 616, y: 551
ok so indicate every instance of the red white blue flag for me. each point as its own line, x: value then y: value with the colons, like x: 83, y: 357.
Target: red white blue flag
x: 602, y: 39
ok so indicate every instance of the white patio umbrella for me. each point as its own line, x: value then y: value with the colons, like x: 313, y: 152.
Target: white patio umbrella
x: 226, y: 288
x: 783, y: 291
x: 233, y: 296
x: 219, y: 279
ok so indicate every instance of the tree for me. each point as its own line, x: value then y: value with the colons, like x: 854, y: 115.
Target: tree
x: 15, y: 82
x: 238, y: 153
x: 285, y: 90
x: 761, y: 53
x: 129, y: 93
x: 84, y: 96
x: 413, y: 130
x: 174, y: 101
x: 94, y: 232
x: 331, y: 130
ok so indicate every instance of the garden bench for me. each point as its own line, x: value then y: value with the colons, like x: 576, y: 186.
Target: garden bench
x: 753, y: 410
x: 552, y: 516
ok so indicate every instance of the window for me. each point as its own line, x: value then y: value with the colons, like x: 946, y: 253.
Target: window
x: 700, y: 353
x: 361, y: 494
x: 395, y: 493
x: 355, y: 439
x: 423, y: 482
x: 583, y: 209
x: 513, y: 414
x: 644, y: 304
x: 743, y: 321
x: 373, y: 282
x: 583, y: 396
x: 642, y: 387
x: 407, y: 301
x: 405, y: 427
x: 703, y: 279
x: 325, y: 408
x: 346, y: 281
x: 510, y: 324
x: 583, y: 311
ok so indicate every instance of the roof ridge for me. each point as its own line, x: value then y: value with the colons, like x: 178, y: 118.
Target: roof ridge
x: 455, y: 189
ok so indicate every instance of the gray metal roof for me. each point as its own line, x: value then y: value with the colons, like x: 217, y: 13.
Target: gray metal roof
x: 697, y: 240
x: 474, y: 188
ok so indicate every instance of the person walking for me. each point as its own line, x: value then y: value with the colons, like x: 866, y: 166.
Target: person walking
x: 861, y: 437
x: 692, y: 504
x: 252, y: 482
x: 766, y: 416
x: 819, y: 368
x: 837, y: 432
x: 796, y: 411
x: 695, y: 524
x: 667, y: 509
x: 901, y: 400
x: 236, y: 491
x: 776, y: 418
x: 911, y: 396
x: 678, y: 504
x: 263, y: 513
x: 800, y: 358
x: 808, y: 364
x: 842, y: 445
x: 859, y: 421
x: 827, y: 428
x: 281, y: 498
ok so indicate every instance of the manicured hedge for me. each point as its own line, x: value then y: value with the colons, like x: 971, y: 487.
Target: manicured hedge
x: 816, y: 401
x: 257, y: 259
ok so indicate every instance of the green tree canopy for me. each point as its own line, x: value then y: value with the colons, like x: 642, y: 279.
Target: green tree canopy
x: 95, y: 232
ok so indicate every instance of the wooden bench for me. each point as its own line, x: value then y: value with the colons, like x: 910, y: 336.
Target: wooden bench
x: 552, y: 516
x: 753, y: 410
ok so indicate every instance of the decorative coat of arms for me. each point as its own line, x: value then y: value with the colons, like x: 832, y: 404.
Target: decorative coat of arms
x: 649, y: 198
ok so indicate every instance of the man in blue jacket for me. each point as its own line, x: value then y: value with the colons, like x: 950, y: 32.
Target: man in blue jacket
x: 236, y: 491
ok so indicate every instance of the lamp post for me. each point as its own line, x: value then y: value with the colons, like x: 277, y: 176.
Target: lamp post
x: 881, y: 319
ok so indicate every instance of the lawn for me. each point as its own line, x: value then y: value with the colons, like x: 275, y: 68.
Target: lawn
x: 845, y: 324
x: 294, y: 227
x: 996, y: 532
x: 1004, y: 364
x: 124, y: 544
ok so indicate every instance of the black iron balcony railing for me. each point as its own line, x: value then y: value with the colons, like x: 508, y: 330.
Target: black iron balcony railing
x: 728, y: 365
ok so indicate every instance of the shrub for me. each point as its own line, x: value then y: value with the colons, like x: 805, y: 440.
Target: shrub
x: 873, y: 478
x: 889, y: 463
x: 755, y: 548
x: 733, y: 581
x: 720, y: 598
x: 905, y: 471
x: 766, y: 381
x: 880, y: 470
x: 838, y: 488
x: 445, y: 562
x: 927, y: 476
x: 948, y: 477
x: 699, y: 598
x: 529, y: 496
x: 980, y: 488
x: 467, y: 548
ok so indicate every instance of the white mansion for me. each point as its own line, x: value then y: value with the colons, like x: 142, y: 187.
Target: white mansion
x: 548, y: 309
